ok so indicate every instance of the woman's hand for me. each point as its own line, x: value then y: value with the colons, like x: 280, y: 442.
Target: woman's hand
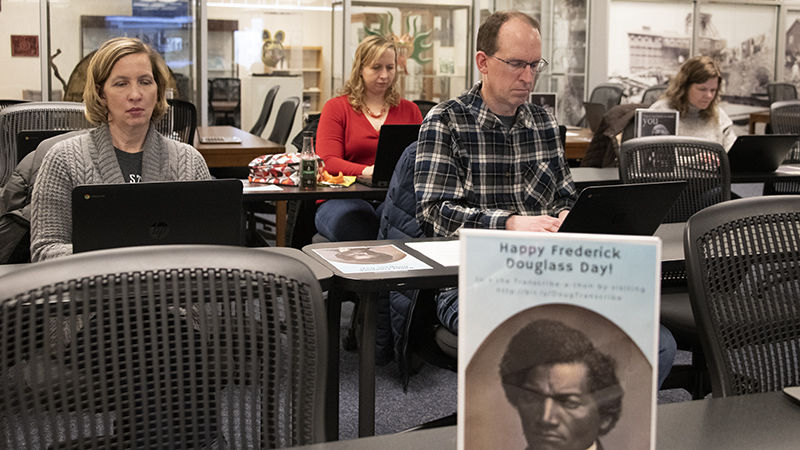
x: 367, y: 172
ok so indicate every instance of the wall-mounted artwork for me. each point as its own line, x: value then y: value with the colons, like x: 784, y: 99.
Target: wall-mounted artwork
x: 27, y: 45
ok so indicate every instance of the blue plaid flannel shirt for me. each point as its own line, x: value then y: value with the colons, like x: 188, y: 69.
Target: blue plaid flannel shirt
x: 472, y: 172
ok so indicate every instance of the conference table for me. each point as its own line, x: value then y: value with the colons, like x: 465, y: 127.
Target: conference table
x: 577, y: 142
x: 755, y: 118
x: 745, y: 422
x: 233, y: 154
x: 368, y: 285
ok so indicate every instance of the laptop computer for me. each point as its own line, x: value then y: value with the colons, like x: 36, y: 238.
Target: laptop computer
x: 179, y: 212
x: 636, y: 209
x: 760, y: 152
x: 392, y: 140
x: 594, y: 114
x: 28, y: 140
x: 215, y: 139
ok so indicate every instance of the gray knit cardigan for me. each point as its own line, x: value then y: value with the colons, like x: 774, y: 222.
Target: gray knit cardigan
x: 90, y: 159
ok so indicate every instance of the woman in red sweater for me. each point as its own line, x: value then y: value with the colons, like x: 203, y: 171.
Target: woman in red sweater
x: 347, y: 135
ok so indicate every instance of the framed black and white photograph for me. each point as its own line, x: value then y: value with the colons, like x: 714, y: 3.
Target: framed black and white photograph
x: 546, y: 100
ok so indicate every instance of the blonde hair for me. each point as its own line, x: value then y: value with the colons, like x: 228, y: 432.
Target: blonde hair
x: 368, y: 51
x: 695, y: 70
x: 100, y: 68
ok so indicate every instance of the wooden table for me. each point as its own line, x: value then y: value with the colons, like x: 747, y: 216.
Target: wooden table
x: 578, y: 140
x: 234, y: 154
x: 757, y: 117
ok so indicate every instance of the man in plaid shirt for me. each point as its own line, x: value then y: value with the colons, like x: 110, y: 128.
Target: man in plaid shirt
x: 490, y: 159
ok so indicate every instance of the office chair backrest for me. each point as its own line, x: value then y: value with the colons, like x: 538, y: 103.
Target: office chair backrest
x: 609, y: 94
x: 777, y: 92
x: 225, y: 89
x: 34, y: 116
x: 425, y: 106
x: 703, y: 164
x: 784, y: 117
x: 5, y: 102
x: 180, y: 121
x: 163, y: 347
x: 653, y: 93
x: 284, y: 121
x: 743, y: 260
x: 266, y: 110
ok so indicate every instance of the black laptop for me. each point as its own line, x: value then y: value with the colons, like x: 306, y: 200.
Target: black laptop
x: 180, y: 212
x: 636, y: 209
x: 760, y: 152
x: 28, y: 140
x: 392, y: 140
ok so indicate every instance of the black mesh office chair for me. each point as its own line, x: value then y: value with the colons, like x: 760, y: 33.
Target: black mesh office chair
x: 653, y: 93
x: 609, y: 94
x: 225, y: 98
x: 5, y: 102
x: 34, y: 116
x: 743, y: 259
x: 606, y: 94
x: 425, y: 106
x: 704, y: 165
x: 163, y: 347
x: 284, y: 121
x: 784, y: 118
x: 180, y: 121
x: 266, y: 110
x: 777, y: 92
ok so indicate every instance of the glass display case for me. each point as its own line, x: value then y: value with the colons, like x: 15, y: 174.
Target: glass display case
x: 433, y: 56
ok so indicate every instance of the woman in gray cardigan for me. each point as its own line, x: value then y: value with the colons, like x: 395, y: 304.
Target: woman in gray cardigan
x: 125, y: 92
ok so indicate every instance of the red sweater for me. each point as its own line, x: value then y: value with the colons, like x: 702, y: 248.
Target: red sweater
x: 346, y: 140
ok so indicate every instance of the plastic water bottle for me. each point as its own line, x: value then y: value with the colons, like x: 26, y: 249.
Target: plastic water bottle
x: 308, y: 163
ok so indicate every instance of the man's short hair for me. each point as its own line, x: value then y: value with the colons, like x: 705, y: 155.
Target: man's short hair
x: 548, y: 342
x: 487, y: 33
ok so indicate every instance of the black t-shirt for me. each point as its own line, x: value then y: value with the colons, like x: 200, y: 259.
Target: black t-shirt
x: 507, y: 121
x: 131, y: 165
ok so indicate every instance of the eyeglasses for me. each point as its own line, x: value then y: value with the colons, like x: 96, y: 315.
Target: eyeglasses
x: 518, y: 65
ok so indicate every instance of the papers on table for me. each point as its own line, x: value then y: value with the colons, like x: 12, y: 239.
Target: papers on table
x: 259, y: 187
x: 445, y: 253
x: 374, y: 258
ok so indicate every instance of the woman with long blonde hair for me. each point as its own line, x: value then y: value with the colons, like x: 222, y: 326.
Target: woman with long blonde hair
x: 347, y: 136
